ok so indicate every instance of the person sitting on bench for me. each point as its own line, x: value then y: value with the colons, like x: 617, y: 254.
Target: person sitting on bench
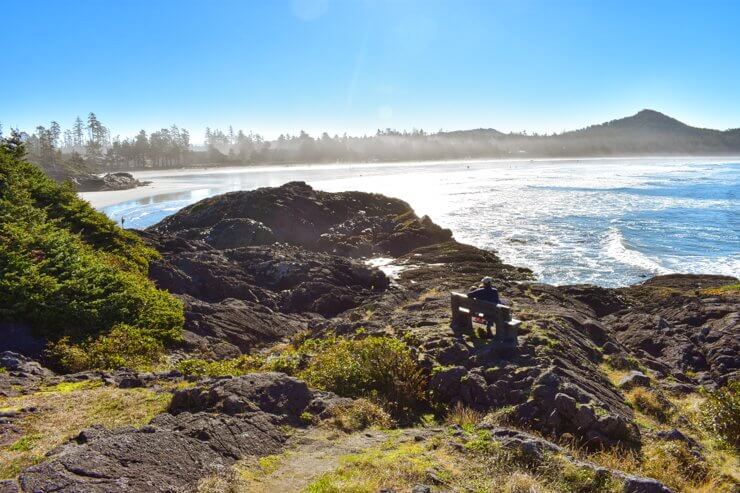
x: 486, y: 293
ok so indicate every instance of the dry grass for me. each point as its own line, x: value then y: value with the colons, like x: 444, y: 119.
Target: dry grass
x: 671, y: 462
x: 464, y: 417
x: 66, y: 409
x: 359, y: 415
x: 434, y: 293
x: 523, y: 482
x: 728, y: 289
x: 394, y: 465
x: 615, y: 376
x: 651, y: 403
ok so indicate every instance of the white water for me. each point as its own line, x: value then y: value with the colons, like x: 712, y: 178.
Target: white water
x: 605, y: 221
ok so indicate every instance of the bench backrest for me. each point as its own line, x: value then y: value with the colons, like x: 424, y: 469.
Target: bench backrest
x: 474, y: 306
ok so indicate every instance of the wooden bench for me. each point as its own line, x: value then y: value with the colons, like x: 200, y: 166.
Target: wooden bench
x: 465, y: 308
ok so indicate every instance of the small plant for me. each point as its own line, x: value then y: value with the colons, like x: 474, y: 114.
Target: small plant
x: 221, y: 368
x: 720, y: 414
x: 651, y: 404
x: 483, y: 443
x: 24, y: 444
x: 580, y: 479
x: 359, y: 415
x: 288, y: 362
x: 65, y: 387
x: 464, y: 417
x: 727, y: 289
x: 307, y: 418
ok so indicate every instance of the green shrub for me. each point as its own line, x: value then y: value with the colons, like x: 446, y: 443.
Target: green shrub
x: 288, y: 362
x: 720, y: 414
x: 73, y: 275
x: 382, y: 369
x: 221, y: 368
x: 123, y: 346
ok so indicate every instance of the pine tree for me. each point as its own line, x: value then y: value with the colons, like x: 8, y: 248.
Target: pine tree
x: 77, y: 134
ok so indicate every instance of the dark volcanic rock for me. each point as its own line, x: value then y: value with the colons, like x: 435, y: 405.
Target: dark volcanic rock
x: 170, y: 454
x: 274, y: 393
x: 231, y: 327
x: 278, y: 277
x: 237, y: 299
x: 23, y: 365
x: 673, y: 327
x: 634, y: 379
x: 8, y: 486
x: 21, y: 374
x: 349, y: 223
x: 239, y: 232
x: 107, y: 182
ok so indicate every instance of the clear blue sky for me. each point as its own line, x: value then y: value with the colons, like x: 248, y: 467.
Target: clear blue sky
x: 359, y: 65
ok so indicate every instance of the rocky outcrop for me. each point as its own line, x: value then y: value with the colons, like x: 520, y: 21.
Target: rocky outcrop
x: 170, y: 454
x: 275, y: 393
x: 210, y: 427
x: 675, y: 326
x: 239, y: 298
x: 348, y: 223
x: 552, y: 380
x: 20, y: 373
x: 228, y: 328
x: 107, y: 182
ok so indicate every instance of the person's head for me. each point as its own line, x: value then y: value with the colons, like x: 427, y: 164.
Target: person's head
x: 487, y: 281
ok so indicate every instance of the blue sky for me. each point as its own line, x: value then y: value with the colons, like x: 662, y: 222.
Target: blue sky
x: 358, y: 65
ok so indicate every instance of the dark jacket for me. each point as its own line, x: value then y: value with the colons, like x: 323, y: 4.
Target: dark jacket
x: 486, y: 293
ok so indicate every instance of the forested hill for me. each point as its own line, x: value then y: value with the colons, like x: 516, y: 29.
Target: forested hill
x: 91, y: 147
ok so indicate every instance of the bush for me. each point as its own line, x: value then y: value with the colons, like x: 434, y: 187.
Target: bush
x: 651, y: 404
x: 359, y: 415
x: 720, y: 414
x: 382, y: 369
x: 73, y: 275
x: 222, y: 368
x: 123, y: 346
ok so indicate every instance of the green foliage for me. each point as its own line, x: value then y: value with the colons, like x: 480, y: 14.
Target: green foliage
x: 727, y: 289
x: 24, y: 444
x: 72, y: 274
x: 221, y: 368
x: 382, y: 369
x: 123, y: 346
x: 720, y: 414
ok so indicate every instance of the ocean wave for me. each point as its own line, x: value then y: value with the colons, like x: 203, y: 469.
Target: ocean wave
x: 616, y: 249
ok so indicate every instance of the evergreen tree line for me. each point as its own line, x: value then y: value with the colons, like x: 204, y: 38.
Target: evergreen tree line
x: 89, y: 146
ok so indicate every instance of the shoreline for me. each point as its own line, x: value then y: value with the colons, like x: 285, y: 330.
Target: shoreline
x: 101, y: 199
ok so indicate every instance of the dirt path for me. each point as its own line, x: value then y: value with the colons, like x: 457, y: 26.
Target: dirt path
x: 312, y: 454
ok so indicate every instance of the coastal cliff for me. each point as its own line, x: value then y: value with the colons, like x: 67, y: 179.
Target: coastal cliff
x: 289, y: 331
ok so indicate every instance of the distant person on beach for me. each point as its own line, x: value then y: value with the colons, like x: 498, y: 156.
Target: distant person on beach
x: 486, y: 293
x: 123, y: 221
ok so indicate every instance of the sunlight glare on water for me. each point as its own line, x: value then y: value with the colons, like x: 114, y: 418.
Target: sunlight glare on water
x: 609, y: 222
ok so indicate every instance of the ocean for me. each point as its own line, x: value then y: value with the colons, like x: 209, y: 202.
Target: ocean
x: 609, y: 222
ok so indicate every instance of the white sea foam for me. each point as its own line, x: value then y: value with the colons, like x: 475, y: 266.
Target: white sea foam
x: 616, y: 249
x: 608, y: 221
